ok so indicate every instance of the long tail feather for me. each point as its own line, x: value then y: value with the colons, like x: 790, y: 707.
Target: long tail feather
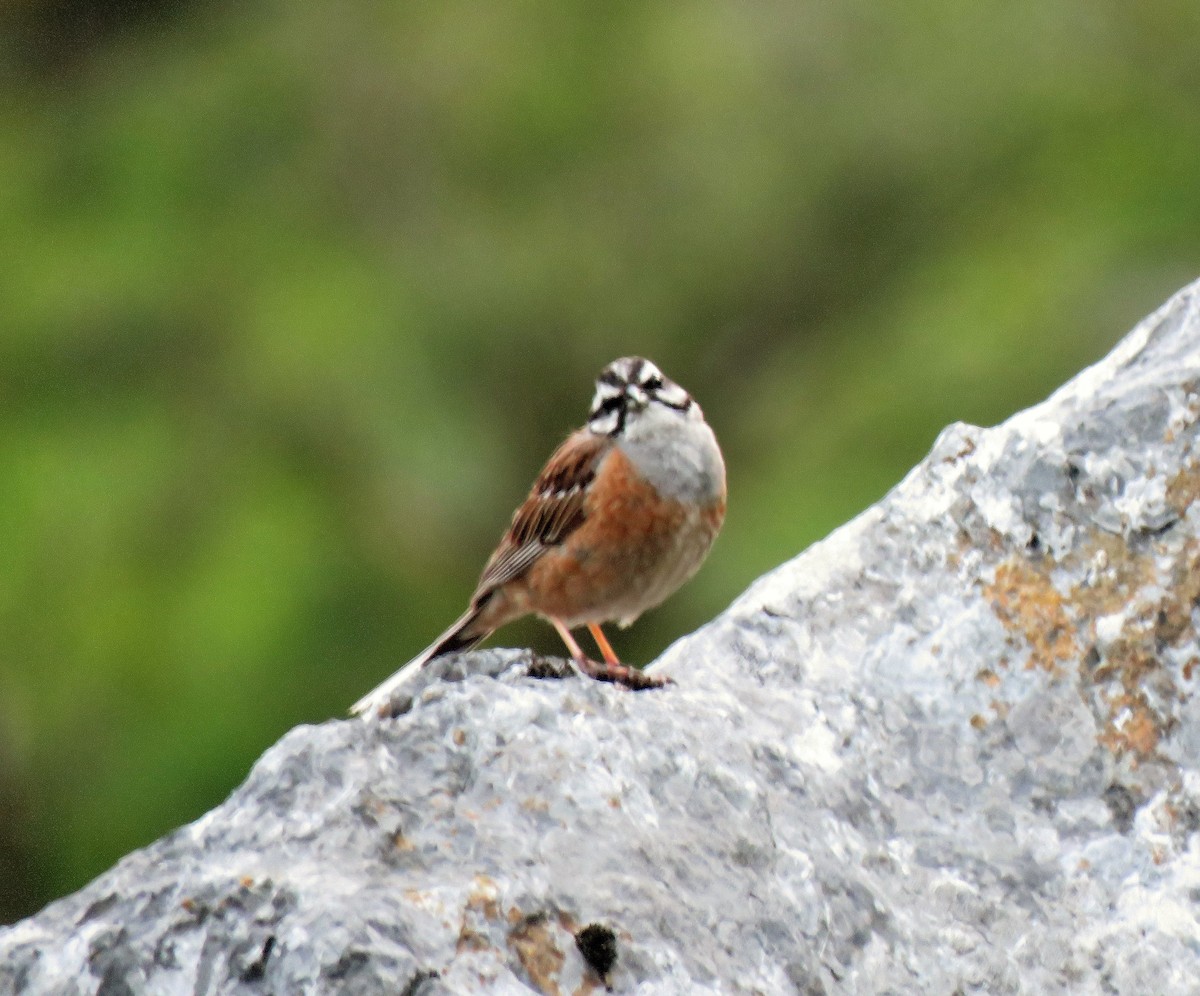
x: 378, y: 701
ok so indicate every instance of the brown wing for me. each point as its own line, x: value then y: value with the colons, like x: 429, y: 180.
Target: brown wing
x: 553, y: 510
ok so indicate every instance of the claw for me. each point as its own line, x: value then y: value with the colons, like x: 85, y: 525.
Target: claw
x: 619, y: 674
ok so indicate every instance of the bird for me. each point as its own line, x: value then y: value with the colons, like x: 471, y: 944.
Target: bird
x: 623, y: 513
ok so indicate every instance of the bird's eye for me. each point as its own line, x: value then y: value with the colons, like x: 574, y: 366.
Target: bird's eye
x: 653, y: 384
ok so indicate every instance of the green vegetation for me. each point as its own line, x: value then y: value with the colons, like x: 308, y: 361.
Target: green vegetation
x: 296, y: 298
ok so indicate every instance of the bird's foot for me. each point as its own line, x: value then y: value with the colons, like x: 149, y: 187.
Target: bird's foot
x: 620, y: 674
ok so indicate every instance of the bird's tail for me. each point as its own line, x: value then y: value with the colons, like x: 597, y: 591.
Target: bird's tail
x: 462, y: 635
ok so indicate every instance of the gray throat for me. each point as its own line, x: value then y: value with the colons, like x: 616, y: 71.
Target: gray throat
x: 675, y: 452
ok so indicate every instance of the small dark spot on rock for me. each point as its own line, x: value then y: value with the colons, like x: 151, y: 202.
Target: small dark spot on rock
x: 746, y: 855
x: 1189, y: 817
x: 805, y: 979
x: 1091, y: 658
x: 258, y: 968
x: 114, y: 983
x: 349, y: 963
x: 1044, y: 804
x: 417, y: 982
x: 396, y: 708
x: 98, y: 907
x: 164, y: 953
x: 1164, y: 525
x: 598, y: 945
x: 548, y: 668
x: 108, y: 939
x: 1034, y: 544
x: 1122, y: 804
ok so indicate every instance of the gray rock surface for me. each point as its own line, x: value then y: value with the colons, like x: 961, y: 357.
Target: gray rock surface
x: 953, y: 748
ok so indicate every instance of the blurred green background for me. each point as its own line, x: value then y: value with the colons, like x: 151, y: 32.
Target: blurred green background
x: 295, y: 298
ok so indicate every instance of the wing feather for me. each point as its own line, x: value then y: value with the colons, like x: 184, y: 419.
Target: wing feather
x: 553, y: 510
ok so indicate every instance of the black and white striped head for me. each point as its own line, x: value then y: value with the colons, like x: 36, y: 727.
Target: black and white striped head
x: 630, y: 385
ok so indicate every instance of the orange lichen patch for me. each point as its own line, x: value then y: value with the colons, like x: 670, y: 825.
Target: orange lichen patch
x: 1166, y: 621
x: 482, y: 905
x: 1135, y: 729
x: 978, y: 721
x: 1172, y: 622
x: 1184, y: 488
x: 1122, y: 580
x: 534, y: 943
x: 470, y: 940
x: 1111, y: 588
x: 1131, y: 726
x: 1027, y: 602
x: 1174, y: 619
x: 483, y: 897
x: 1130, y: 661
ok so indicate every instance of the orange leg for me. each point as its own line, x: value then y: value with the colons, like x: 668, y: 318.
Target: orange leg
x: 602, y: 642
x: 612, y: 669
x: 576, y: 650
